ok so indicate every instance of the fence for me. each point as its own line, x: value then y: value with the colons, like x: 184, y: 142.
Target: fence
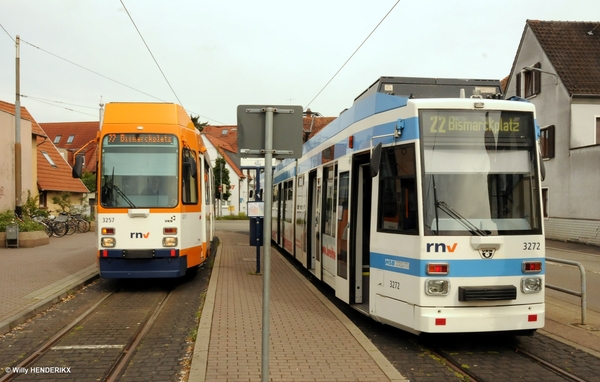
x: 581, y: 294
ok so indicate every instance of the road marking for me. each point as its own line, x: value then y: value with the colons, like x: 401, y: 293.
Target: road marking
x: 78, y: 347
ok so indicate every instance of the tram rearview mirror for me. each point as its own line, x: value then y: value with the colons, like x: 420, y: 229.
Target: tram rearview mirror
x: 542, y: 168
x: 375, y: 160
x: 78, y: 167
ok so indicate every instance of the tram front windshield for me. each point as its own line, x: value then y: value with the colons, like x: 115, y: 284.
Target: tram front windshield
x: 480, y: 173
x: 139, y: 171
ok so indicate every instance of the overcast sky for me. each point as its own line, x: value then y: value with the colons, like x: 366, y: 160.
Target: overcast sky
x: 215, y: 55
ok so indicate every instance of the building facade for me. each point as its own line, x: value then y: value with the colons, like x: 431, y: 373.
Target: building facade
x: 557, y: 69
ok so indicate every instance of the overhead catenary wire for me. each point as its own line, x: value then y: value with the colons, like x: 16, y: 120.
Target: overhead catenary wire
x: 54, y: 102
x: 150, y: 51
x: 8, y: 34
x: 105, y: 77
x: 352, y: 55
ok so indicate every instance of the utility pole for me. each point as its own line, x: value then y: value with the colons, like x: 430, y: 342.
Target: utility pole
x: 18, y: 191
x: 221, y: 188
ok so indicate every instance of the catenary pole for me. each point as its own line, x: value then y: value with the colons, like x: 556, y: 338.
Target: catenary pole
x: 18, y: 182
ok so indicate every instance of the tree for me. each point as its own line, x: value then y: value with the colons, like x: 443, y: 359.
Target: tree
x: 199, y: 125
x: 89, y: 179
x: 220, y: 164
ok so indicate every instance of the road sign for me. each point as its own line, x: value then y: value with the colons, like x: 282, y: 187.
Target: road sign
x: 287, y: 131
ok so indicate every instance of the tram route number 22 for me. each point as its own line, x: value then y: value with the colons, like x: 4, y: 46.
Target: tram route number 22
x: 531, y: 246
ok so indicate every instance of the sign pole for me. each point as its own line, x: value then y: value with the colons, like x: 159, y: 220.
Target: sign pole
x: 268, y: 200
x: 285, y: 142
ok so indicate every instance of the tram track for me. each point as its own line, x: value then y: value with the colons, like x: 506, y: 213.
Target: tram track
x: 475, y: 357
x: 499, y: 361
x: 103, y: 341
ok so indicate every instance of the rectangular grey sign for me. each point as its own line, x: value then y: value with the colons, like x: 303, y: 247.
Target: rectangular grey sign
x: 287, y: 131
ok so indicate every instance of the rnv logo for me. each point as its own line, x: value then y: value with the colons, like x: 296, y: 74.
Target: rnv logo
x: 139, y: 235
x: 441, y: 247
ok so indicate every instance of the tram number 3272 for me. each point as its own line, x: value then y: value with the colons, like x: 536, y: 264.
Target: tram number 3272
x: 531, y: 246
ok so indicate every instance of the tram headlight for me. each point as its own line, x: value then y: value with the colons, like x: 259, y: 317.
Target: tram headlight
x: 169, y: 242
x: 531, y: 284
x: 108, y: 242
x: 436, y: 287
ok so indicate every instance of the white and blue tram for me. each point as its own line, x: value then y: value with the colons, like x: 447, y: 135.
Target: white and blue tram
x: 423, y: 213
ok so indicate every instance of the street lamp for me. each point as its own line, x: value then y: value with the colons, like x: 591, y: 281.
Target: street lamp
x: 542, y: 71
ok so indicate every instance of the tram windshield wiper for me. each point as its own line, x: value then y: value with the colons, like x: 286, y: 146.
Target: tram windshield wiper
x: 122, y: 194
x: 108, y: 190
x: 461, y: 219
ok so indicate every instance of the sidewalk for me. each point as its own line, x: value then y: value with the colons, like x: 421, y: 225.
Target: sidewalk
x: 310, y: 339
x: 33, y: 279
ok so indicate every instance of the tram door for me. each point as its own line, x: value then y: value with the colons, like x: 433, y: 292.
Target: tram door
x: 342, y: 226
x: 360, y: 232
x: 314, y: 224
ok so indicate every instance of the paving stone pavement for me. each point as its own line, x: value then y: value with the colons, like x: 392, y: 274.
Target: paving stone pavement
x: 310, y: 339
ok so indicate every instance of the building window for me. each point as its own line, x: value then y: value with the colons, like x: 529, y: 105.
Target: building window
x: 57, y: 139
x: 70, y: 139
x: 547, y: 141
x: 45, y: 154
x: 531, y: 80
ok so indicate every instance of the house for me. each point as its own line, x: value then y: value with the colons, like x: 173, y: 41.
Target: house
x: 557, y: 68
x: 29, y: 132
x: 222, y: 141
x: 54, y: 178
x: 75, y: 138
x: 44, y: 172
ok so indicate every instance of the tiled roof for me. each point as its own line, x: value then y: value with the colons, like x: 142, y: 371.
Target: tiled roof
x: 82, y: 133
x: 57, y: 177
x: 311, y: 126
x: 10, y: 108
x: 224, y: 138
x: 573, y: 48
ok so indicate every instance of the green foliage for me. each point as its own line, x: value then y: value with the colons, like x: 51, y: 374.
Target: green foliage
x: 240, y: 216
x: 221, y: 164
x: 63, y: 202
x: 25, y: 225
x: 89, y: 179
x: 32, y: 206
x: 199, y: 125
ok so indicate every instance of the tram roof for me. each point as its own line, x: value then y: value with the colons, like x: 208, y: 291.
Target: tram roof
x: 420, y: 87
x: 145, y: 113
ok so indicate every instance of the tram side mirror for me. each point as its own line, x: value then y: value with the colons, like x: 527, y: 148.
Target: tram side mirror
x: 189, y: 166
x: 375, y: 160
x: 542, y: 168
x: 251, y: 194
x: 78, y: 167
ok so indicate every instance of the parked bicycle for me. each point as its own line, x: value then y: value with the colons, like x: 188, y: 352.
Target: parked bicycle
x: 52, y: 226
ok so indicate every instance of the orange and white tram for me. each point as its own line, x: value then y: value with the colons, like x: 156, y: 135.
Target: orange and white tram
x: 154, y: 214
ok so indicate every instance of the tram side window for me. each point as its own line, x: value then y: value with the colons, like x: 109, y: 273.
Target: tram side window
x: 189, y: 178
x: 330, y: 206
x: 397, y: 207
x: 288, y: 197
